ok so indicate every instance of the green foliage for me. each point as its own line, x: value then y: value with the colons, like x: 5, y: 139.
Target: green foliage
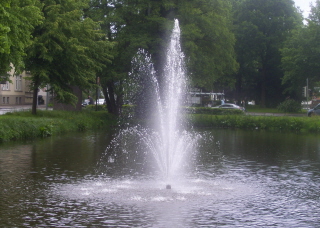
x: 95, y: 108
x: 17, y: 21
x: 301, y: 56
x: 258, y: 109
x: 268, y: 123
x: 22, y: 125
x: 261, y: 27
x: 68, y: 49
x: 208, y: 42
x: 128, y: 110
x: 289, y: 105
x: 206, y: 39
x: 46, y: 131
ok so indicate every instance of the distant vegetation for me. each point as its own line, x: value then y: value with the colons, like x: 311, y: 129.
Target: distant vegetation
x: 201, y: 117
x: 289, y: 105
x: 251, y: 49
x: 269, y: 123
x: 23, y: 125
x: 258, y: 109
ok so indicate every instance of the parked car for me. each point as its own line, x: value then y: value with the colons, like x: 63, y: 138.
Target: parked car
x: 85, y: 103
x: 314, y: 111
x: 230, y: 106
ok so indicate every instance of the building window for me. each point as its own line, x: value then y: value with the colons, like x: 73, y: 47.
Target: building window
x: 7, y: 100
x: 18, y: 83
x: 3, y: 100
x: 6, y: 86
x: 19, y: 100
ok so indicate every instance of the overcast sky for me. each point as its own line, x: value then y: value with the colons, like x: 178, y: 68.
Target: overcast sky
x: 305, y: 6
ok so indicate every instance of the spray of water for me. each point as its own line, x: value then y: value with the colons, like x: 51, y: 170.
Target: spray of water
x: 169, y: 142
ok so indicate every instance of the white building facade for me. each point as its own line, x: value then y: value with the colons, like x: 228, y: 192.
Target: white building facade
x: 17, y: 91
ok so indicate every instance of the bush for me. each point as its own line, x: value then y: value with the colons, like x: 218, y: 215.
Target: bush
x: 23, y: 125
x: 289, y: 105
x: 128, y: 110
x: 95, y: 108
x: 269, y: 123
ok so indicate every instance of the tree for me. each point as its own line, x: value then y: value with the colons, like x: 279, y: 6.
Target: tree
x: 68, y: 50
x: 17, y: 21
x: 207, y: 39
x: 129, y: 25
x: 301, y: 55
x: 261, y: 27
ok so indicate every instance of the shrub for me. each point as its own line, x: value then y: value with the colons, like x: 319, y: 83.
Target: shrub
x: 128, y: 110
x: 95, y: 108
x: 289, y: 105
x: 269, y: 123
x: 23, y: 125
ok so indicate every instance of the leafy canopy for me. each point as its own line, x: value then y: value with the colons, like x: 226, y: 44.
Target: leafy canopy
x: 68, y: 49
x: 301, y: 55
x: 17, y: 21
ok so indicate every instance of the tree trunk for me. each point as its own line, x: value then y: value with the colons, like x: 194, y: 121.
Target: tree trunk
x: 263, y: 88
x: 110, y: 98
x: 238, y: 94
x: 35, y: 94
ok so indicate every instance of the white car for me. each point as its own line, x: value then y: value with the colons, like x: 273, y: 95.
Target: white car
x: 230, y: 106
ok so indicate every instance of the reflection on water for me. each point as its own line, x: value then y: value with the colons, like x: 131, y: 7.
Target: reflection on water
x: 241, y: 179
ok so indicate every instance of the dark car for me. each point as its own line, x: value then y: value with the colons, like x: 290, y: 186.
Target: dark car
x: 314, y: 111
x: 230, y: 106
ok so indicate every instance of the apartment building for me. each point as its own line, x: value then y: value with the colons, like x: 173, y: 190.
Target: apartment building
x: 17, y: 91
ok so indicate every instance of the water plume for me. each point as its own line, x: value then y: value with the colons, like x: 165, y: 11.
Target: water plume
x: 168, y: 140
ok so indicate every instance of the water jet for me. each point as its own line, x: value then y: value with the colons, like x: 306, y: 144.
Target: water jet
x: 167, y: 140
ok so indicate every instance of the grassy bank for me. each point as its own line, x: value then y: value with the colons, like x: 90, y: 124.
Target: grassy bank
x: 258, y: 109
x: 22, y: 125
x: 270, y: 123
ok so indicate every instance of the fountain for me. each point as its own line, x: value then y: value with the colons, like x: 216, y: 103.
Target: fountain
x: 167, y: 140
x: 149, y: 175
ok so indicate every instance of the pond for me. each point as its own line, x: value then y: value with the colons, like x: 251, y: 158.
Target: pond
x: 239, y: 179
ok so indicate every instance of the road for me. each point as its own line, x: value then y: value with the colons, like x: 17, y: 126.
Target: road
x: 7, y: 108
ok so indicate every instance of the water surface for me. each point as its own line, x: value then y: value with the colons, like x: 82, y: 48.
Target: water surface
x: 240, y: 179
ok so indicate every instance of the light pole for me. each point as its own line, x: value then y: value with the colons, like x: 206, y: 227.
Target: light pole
x: 97, y: 94
x: 307, y: 93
